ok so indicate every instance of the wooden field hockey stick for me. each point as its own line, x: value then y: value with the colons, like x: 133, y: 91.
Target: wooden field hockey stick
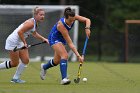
x: 77, y: 80
x: 16, y: 49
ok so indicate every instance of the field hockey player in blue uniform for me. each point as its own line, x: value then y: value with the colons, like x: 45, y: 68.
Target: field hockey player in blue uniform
x: 58, y: 38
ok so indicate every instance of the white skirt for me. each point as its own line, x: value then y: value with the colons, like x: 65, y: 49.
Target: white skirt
x: 11, y: 44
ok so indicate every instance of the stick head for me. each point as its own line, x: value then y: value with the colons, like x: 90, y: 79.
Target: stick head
x: 77, y: 80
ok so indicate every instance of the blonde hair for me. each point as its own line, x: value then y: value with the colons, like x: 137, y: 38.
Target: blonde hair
x: 36, y: 10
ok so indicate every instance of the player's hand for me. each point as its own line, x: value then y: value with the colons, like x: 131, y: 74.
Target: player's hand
x: 26, y: 45
x: 46, y: 40
x: 81, y: 59
x: 87, y: 32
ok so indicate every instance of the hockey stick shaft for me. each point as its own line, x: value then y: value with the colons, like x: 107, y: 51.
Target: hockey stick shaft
x: 80, y: 65
x: 85, y: 45
x: 16, y: 49
x: 36, y: 44
x: 83, y: 54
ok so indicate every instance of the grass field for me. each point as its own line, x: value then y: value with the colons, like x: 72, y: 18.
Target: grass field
x: 102, y: 78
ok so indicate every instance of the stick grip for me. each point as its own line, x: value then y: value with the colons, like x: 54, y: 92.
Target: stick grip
x: 85, y: 45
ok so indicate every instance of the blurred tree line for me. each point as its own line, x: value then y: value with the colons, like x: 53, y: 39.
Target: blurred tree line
x: 107, y: 17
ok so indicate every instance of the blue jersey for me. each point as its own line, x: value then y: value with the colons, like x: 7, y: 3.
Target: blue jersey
x: 55, y: 36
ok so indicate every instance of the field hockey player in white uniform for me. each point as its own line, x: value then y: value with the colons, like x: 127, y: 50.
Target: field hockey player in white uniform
x: 18, y: 39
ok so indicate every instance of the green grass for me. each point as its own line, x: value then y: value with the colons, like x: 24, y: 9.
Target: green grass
x: 102, y: 78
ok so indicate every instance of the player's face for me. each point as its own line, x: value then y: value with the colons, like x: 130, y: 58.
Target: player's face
x: 40, y: 16
x: 71, y: 19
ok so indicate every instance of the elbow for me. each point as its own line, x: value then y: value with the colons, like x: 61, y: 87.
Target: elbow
x: 88, y: 21
x: 34, y: 35
x: 19, y: 33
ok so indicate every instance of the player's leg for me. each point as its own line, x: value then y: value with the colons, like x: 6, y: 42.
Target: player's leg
x: 24, y: 56
x: 14, y: 60
x: 59, y: 48
x: 14, y: 56
x: 51, y: 63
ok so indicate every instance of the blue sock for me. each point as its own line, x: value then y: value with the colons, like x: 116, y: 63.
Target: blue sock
x: 63, y: 68
x: 49, y: 64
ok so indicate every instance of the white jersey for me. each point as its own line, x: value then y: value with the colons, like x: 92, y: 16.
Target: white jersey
x: 14, y: 40
x: 15, y: 37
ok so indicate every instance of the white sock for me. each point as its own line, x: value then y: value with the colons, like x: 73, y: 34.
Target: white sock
x: 19, y: 70
x: 5, y: 65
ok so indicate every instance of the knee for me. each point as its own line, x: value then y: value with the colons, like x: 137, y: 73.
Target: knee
x: 65, y: 56
x: 56, y: 62
x: 14, y: 64
x: 26, y: 61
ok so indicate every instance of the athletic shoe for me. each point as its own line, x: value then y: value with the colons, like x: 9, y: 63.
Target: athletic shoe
x: 65, y: 81
x: 17, y: 81
x: 42, y: 72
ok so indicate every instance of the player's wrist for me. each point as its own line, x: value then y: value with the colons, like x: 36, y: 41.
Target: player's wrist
x: 78, y: 56
x: 87, y: 27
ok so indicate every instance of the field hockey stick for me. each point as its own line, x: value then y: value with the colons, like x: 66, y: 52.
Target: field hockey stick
x: 16, y: 49
x: 77, y: 80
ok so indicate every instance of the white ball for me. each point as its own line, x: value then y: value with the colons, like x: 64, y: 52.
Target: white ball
x: 84, y: 79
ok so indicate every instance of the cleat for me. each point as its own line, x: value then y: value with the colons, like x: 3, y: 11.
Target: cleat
x: 65, y: 81
x: 17, y: 81
x: 42, y: 72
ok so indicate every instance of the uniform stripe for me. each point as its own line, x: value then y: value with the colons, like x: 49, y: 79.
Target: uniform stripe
x: 6, y: 64
x: 9, y: 64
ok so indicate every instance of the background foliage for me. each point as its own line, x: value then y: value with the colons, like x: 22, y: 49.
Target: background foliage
x: 107, y: 16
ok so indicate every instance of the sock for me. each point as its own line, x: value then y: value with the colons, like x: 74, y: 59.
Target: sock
x: 49, y: 64
x: 63, y: 68
x: 5, y: 65
x: 19, y: 70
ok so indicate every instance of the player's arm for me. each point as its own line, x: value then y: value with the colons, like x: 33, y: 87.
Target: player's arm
x: 26, y: 26
x: 66, y: 36
x: 87, y: 23
x: 38, y: 36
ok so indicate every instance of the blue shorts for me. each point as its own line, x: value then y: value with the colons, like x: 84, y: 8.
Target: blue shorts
x: 55, y: 40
